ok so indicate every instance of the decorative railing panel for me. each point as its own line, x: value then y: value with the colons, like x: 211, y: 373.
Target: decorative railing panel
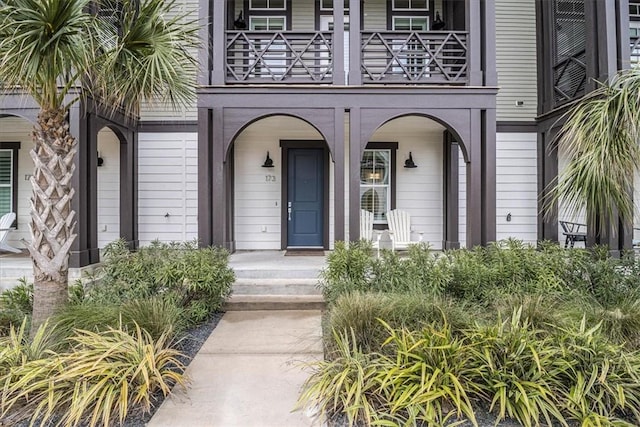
x: 570, y: 76
x: 279, y: 57
x: 635, y: 51
x: 432, y: 57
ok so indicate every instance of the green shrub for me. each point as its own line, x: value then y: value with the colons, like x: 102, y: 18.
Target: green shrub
x: 100, y: 380
x: 19, y: 298
x: 17, y: 348
x: 348, y: 269
x: 197, y: 280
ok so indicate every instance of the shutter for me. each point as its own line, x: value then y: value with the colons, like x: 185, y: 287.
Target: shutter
x: 6, y: 169
x: 570, y: 39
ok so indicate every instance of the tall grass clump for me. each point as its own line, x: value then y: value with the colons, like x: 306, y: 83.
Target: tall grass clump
x: 97, y: 382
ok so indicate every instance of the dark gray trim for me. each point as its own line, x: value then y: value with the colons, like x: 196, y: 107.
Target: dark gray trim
x: 168, y: 126
x: 517, y: 126
x: 451, y: 191
x: 205, y: 178
x: 14, y: 147
x: 355, y: 154
x: 287, y: 144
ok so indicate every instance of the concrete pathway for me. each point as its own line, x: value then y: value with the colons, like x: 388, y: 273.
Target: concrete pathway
x: 248, y: 373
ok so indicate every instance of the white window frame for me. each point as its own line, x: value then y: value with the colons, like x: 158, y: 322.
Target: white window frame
x: 268, y: 18
x: 410, y: 8
x: 12, y: 178
x: 634, y: 56
x: 388, y: 185
x: 411, y: 18
x: 325, y: 8
x: 284, y: 7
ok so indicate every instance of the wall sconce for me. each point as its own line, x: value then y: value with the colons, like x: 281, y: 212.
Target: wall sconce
x: 100, y: 160
x: 409, y: 164
x: 268, y: 163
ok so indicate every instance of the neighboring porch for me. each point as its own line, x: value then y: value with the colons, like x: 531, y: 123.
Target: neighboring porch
x: 105, y: 182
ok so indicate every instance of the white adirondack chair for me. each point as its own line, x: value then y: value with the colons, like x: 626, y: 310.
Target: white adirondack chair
x: 5, y: 227
x: 366, y: 229
x: 400, y: 229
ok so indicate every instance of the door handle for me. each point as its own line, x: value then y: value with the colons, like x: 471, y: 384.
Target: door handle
x: 289, y: 212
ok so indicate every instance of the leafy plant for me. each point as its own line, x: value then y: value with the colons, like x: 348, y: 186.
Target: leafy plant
x: 17, y: 348
x: 99, y: 381
x: 19, y: 298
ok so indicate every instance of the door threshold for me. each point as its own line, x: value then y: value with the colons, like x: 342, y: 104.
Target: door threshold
x: 304, y: 251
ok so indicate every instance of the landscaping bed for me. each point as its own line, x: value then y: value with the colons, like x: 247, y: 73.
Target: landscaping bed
x: 506, y: 333
x: 118, y: 348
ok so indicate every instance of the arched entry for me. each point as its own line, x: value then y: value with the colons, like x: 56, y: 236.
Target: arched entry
x: 285, y: 200
x: 108, y: 183
x: 389, y: 180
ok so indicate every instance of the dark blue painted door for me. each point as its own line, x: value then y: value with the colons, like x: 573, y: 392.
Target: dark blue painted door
x: 306, y: 197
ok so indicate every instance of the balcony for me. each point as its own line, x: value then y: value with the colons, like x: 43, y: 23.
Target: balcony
x: 261, y: 57
x: 386, y: 57
x: 436, y: 57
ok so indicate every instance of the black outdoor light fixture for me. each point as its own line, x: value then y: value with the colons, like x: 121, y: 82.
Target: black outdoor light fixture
x: 409, y: 164
x: 100, y: 160
x: 268, y: 162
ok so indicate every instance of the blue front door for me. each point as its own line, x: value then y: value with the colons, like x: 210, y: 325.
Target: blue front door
x: 305, y: 204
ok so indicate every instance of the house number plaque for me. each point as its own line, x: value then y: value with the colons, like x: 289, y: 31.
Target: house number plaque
x: 270, y: 178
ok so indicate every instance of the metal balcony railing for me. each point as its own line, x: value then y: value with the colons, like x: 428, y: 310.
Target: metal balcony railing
x: 411, y: 57
x: 260, y: 57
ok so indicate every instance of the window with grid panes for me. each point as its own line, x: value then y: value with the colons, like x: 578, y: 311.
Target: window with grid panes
x: 328, y: 5
x: 267, y: 4
x: 6, y: 181
x: 410, y: 5
x: 375, y: 183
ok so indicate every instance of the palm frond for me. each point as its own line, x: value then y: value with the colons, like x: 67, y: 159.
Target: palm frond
x: 600, y: 138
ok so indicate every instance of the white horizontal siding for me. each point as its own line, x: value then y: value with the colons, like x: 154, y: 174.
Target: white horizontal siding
x: 167, y: 184
x: 516, y: 59
x: 375, y: 15
x: 516, y: 186
x: 303, y: 15
x: 108, y: 188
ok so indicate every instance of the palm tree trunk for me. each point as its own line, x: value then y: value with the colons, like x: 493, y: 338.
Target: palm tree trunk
x: 52, y: 218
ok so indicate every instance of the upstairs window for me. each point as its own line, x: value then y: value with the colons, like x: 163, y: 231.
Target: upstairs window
x: 328, y: 5
x: 267, y: 5
x: 267, y: 23
x: 410, y: 4
x: 410, y: 23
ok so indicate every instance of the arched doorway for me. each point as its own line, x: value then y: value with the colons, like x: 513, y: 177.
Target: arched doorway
x: 285, y: 200
x: 108, y: 183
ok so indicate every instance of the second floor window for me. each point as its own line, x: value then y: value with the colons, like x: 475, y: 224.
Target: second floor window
x: 267, y: 4
x: 328, y: 5
x: 410, y: 4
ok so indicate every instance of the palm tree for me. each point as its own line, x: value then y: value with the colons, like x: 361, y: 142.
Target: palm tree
x: 600, y: 138
x: 123, y: 52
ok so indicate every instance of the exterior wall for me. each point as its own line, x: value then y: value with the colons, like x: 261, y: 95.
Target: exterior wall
x: 516, y: 59
x: 108, y: 188
x: 15, y: 129
x: 303, y: 13
x: 168, y: 184
x: 516, y: 186
x: 375, y: 15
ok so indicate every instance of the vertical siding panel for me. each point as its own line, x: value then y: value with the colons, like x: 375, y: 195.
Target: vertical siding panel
x: 516, y: 59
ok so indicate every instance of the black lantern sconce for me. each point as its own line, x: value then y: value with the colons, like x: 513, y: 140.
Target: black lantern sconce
x: 409, y: 164
x: 100, y: 160
x: 268, y: 162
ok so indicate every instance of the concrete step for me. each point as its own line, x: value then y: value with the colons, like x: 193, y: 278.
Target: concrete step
x: 244, y: 286
x: 280, y: 273
x: 274, y: 302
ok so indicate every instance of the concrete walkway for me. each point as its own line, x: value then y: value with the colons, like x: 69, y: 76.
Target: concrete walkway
x: 248, y: 373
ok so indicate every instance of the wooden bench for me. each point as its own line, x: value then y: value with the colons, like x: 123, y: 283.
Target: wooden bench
x: 573, y: 232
